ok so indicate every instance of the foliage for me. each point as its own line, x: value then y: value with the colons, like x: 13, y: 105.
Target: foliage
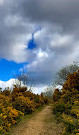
x: 21, y: 79
x: 66, y: 102
x: 8, y: 114
x: 59, y: 107
x: 56, y: 95
x: 63, y: 73
x: 70, y: 122
x: 49, y: 92
x: 24, y: 104
x: 15, y: 104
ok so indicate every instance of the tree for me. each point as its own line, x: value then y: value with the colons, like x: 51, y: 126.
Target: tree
x: 62, y: 74
x: 21, y: 79
x: 0, y: 89
x: 49, y: 92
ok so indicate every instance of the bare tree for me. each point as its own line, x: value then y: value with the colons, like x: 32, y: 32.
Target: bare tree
x: 48, y: 92
x: 21, y: 79
x: 62, y: 74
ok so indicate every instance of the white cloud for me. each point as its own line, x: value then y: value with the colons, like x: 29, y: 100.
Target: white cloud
x: 36, y: 89
x: 41, y: 54
x: 1, y: 2
x: 5, y: 84
x: 59, y: 87
x: 60, y: 40
x: 19, y: 53
x: 10, y: 83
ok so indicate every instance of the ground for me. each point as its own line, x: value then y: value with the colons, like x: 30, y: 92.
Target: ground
x: 43, y: 123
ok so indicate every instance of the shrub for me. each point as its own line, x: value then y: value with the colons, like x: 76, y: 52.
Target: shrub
x: 56, y: 95
x: 24, y: 104
x: 71, y: 123
x: 67, y: 103
x: 58, y: 107
x: 15, y: 104
x: 8, y: 117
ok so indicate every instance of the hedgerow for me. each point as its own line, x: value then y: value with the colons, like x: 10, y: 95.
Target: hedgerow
x: 17, y: 103
x: 66, y: 103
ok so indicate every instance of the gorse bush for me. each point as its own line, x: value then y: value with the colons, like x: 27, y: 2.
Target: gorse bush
x: 56, y: 95
x: 71, y: 123
x: 15, y: 104
x: 58, y: 107
x: 24, y: 104
x: 8, y: 114
x: 66, y: 102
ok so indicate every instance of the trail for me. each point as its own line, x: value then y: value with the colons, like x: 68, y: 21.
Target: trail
x: 42, y: 123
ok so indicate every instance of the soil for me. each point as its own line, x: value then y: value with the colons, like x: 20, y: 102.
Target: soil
x: 43, y: 123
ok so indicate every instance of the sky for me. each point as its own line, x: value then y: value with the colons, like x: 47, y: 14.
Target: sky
x: 39, y: 36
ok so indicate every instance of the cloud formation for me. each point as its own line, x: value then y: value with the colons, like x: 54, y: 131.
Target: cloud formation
x: 54, y: 25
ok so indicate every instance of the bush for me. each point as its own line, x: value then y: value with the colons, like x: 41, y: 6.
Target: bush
x: 58, y: 107
x: 38, y: 99
x: 15, y: 104
x: 24, y: 104
x: 8, y: 115
x: 56, y: 95
x: 71, y: 123
x: 66, y: 103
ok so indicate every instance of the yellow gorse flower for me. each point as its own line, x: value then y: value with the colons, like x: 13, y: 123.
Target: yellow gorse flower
x: 15, y: 104
x: 5, y: 116
x: 0, y: 128
x: 1, y: 114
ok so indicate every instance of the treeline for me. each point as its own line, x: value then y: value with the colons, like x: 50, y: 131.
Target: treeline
x: 66, y: 104
x: 17, y: 103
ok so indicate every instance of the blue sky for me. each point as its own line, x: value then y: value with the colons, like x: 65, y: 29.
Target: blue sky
x: 31, y: 43
x: 8, y: 69
x: 40, y: 36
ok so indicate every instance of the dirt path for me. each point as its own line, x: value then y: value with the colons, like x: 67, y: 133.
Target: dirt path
x: 41, y: 124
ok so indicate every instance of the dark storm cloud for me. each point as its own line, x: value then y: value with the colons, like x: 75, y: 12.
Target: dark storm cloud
x: 57, y: 40
x: 65, y: 12
x: 42, y: 78
x: 14, y: 33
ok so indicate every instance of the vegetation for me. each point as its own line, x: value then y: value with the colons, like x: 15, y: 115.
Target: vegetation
x: 21, y: 79
x: 66, y: 104
x: 62, y: 74
x: 17, y: 103
x: 49, y: 92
